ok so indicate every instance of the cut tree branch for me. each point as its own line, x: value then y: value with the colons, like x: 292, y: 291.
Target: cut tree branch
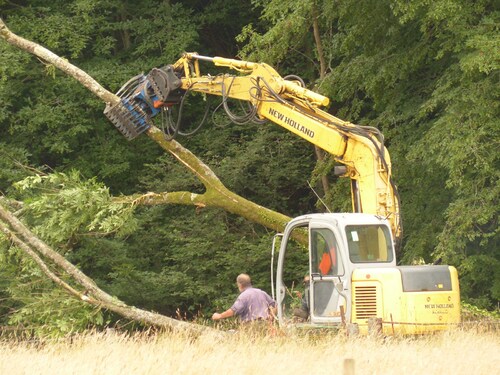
x: 32, y: 246
x: 216, y: 195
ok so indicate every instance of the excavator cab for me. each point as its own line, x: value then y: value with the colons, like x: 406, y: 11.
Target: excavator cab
x: 327, y: 269
x: 317, y: 241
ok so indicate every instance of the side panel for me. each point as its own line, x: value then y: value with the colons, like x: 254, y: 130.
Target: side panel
x: 379, y: 293
x: 433, y: 310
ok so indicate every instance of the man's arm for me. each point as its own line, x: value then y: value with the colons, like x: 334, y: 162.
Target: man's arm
x: 226, y: 314
x: 273, y: 311
x: 272, y: 307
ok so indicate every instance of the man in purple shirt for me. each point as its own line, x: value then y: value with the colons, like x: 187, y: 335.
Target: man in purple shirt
x: 252, y: 303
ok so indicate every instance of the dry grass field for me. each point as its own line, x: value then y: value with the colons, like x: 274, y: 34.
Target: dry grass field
x: 460, y: 352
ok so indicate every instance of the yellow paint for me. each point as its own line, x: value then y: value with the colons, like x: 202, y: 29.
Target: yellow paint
x: 296, y: 109
x: 402, y: 312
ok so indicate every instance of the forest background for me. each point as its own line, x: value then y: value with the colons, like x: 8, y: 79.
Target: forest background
x: 424, y: 72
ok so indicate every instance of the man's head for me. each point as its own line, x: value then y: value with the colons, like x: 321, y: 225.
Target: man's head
x: 243, y: 281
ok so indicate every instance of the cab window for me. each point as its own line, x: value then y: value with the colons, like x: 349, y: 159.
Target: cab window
x: 325, y: 258
x: 369, y: 243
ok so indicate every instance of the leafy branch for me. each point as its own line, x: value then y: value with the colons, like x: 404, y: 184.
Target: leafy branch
x: 216, y: 194
x: 88, y: 291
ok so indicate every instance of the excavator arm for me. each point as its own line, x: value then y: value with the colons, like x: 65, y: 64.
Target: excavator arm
x: 283, y: 101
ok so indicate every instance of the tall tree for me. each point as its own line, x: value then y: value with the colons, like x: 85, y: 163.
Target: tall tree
x: 427, y: 74
x: 113, y: 41
x: 208, y: 179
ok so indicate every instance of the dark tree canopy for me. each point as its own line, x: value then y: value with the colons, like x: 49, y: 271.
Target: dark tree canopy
x: 425, y: 73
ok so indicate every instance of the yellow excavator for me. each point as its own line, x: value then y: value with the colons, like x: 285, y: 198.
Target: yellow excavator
x: 349, y: 258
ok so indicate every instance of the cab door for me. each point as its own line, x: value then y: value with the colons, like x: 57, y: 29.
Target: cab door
x: 327, y: 273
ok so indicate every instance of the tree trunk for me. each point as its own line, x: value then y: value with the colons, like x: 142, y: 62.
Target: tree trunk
x: 320, y: 154
x: 216, y: 195
x: 32, y: 246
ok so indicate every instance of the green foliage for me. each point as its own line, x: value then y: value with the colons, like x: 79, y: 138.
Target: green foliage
x: 110, y: 40
x: 200, y: 257
x: 425, y: 72
x: 290, y: 21
x: 218, y: 22
x: 262, y: 163
x: 338, y: 197
x: 474, y: 313
x: 31, y: 301
x: 52, y: 313
x: 283, y: 38
x: 69, y: 207
x: 13, y: 161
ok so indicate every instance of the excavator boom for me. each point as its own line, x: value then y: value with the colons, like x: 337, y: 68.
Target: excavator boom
x: 283, y: 101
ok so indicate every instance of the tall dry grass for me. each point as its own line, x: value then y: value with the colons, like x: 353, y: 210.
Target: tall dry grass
x: 460, y: 352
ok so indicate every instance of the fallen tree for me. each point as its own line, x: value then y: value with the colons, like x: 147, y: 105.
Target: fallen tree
x: 215, y: 195
x: 21, y: 237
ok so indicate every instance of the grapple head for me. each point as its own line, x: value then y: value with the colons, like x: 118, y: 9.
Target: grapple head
x: 142, y: 98
x: 128, y: 117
